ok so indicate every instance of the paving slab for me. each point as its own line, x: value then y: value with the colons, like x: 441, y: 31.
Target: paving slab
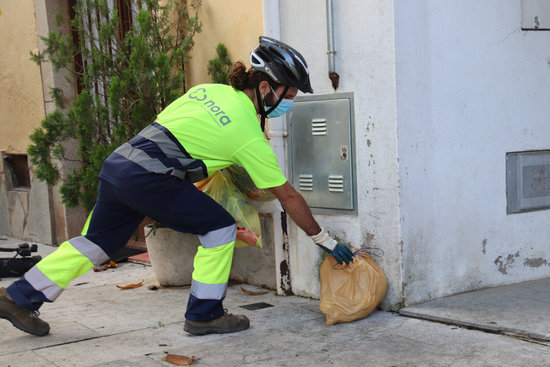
x: 521, y: 309
x: 383, y: 339
x: 94, y: 323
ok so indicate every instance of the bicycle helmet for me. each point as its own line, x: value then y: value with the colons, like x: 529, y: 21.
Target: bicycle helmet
x: 281, y: 63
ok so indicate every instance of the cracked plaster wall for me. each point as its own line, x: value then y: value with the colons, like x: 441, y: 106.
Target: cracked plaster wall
x: 365, y: 60
x: 22, y: 211
x: 443, y: 89
x: 472, y: 86
x: 36, y: 215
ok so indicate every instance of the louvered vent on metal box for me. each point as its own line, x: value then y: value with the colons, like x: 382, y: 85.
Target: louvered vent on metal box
x: 306, y: 183
x: 319, y: 127
x: 336, y: 183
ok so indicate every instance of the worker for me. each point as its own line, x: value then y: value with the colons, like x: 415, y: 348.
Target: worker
x: 210, y: 127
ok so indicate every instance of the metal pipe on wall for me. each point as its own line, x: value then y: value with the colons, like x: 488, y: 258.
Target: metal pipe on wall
x: 332, y: 74
x: 272, y: 23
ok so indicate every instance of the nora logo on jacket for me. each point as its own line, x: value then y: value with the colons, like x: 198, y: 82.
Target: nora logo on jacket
x: 210, y: 106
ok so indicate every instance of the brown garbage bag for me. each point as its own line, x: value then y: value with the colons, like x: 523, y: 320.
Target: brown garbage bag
x: 351, y: 292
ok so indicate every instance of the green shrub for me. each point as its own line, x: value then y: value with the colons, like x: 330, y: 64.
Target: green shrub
x: 124, y: 81
x: 218, y: 68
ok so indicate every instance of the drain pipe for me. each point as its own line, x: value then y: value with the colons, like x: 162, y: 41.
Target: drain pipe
x: 332, y: 75
x: 277, y: 133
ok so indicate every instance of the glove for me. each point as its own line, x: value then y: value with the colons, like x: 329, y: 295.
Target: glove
x: 340, y: 252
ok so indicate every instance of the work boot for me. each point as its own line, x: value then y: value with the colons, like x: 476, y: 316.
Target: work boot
x: 21, y: 318
x: 228, y: 323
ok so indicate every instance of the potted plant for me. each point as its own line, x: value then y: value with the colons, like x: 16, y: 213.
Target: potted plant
x: 171, y: 253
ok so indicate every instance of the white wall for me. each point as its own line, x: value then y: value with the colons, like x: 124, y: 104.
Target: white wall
x: 365, y: 60
x: 471, y: 86
x: 443, y: 90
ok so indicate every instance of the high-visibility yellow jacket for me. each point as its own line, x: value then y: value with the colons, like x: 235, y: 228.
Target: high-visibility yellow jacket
x: 209, y: 128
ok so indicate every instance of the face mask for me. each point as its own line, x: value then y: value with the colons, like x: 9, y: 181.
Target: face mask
x: 282, y: 108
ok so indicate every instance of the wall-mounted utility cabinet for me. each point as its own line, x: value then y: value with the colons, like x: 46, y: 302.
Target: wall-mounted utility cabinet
x: 535, y: 15
x: 527, y: 181
x: 322, y: 153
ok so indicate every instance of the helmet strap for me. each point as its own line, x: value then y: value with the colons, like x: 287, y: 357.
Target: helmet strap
x: 263, y: 112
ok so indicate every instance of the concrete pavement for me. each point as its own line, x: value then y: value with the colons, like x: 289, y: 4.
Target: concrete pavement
x: 518, y: 309
x: 94, y: 323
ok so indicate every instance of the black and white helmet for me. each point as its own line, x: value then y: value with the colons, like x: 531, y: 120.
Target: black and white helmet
x: 282, y: 63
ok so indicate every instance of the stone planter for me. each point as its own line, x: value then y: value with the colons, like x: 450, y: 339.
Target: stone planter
x: 172, y: 254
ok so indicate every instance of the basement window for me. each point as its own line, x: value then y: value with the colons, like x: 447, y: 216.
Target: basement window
x: 16, y: 170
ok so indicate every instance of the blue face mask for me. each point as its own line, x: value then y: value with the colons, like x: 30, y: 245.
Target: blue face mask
x: 282, y: 108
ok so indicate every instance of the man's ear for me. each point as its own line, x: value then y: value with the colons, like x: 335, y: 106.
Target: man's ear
x: 264, y: 88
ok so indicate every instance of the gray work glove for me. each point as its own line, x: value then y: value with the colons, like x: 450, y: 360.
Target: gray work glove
x: 341, y: 253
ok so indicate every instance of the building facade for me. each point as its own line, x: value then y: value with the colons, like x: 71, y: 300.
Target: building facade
x: 445, y: 95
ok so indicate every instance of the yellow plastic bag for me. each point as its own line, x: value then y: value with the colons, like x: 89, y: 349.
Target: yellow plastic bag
x: 244, y: 182
x: 351, y: 292
x: 221, y: 189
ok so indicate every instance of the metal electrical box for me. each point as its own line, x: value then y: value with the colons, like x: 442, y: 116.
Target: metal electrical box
x: 322, y: 152
x: 527, y: 181
x: 535, y: 15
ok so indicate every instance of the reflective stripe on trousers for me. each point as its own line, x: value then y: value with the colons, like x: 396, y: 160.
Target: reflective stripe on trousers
x: 212, y: 263
x: 53, y: 273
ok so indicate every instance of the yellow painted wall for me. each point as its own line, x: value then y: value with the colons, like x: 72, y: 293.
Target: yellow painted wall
x: 21, y: 97
x: 235, y: 23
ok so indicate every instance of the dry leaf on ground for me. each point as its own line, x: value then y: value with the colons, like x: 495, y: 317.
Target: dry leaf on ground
x: 130, y: 286
x: 179, y: 360
x: 254, y: 293
x: 110, y: 265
